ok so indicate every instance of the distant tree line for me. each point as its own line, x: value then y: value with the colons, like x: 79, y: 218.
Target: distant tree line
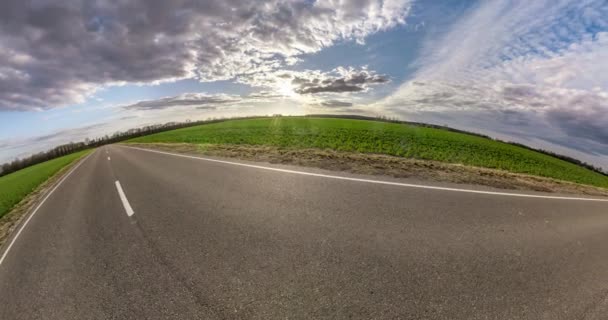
x: 72, y: 147
x: 56, y: 152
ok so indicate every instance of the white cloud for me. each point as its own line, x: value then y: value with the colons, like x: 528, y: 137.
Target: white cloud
x: 302, y: 84
x: 541, y: 62
x: 185, y: 100
x: 59, y: 52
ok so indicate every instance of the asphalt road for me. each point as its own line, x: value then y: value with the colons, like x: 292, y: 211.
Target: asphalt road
x: 211, y: 240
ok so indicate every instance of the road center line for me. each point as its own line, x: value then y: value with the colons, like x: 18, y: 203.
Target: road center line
x: 40, y: 205
x: 408, y: 185
x: 123, y: 198
x: 108, y: 158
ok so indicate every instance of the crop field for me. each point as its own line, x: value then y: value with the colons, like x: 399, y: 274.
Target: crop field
x: 17, y: 185
x: 383, y: 138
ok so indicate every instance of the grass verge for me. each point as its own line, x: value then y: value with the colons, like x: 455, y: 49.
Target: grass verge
x: 377, y: 164
x: 20, y: 190
x: 15, y: 186
x: 374, y: 137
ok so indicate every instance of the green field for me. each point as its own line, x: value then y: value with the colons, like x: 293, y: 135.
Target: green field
x: 381, y: 137
x: 17, y: 185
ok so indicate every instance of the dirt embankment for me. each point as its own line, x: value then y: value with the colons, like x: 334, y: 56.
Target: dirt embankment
x: 377, y: 164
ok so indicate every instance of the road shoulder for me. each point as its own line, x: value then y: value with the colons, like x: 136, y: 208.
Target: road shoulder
x: 13, y: 219
x: 420, y: 171
x: 388, y: 167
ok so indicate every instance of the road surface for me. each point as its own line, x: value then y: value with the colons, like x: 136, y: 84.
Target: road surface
x: 182, y: 238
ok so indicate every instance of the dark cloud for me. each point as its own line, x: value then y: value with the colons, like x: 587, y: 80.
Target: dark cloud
x: 58, y: 52
x: 585, y: 146
x: 515, y: 118
x: 534, y: 129
x: 350, y: 81
x: 189, y: 99
x: 336, y: 104
x: 265, y: 95
x: 590, y: 124
x: 578, y: 117
x: 518, y: 92
x: 571, y: 118
x: 5, y: 144
x: 67, y: 134
x: 355, y: 111
x: 339, y: 80
x: 523, y: 95
x: 23, y: 147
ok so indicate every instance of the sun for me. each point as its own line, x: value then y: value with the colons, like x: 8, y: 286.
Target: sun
x: 286, y: 88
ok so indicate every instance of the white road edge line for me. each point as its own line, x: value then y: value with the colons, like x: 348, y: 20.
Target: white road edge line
x: 123, y: 198
x: 496, y: 193
x: 40, y: 205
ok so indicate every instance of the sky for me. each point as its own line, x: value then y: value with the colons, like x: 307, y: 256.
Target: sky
x: 533, y: 72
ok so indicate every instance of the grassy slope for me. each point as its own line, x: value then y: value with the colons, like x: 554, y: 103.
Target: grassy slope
x: 380, y: 137
x: 17, y: 185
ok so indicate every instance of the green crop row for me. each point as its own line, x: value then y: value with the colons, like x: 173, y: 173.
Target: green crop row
x: 381, y: 137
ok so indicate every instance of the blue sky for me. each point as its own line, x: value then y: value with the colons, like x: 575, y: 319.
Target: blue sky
x: 534, y: 73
